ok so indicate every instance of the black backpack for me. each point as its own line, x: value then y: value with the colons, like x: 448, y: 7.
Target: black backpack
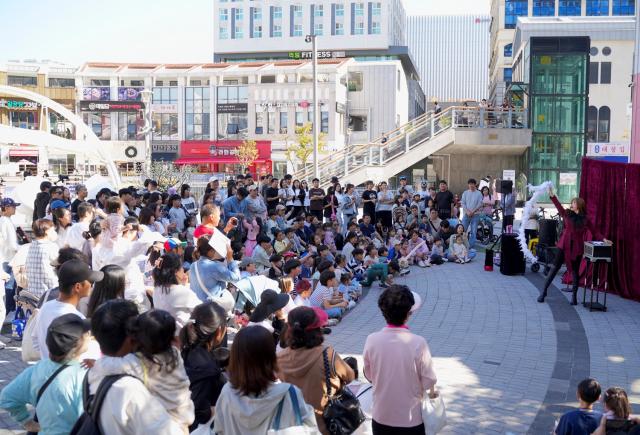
x: 87, y: 424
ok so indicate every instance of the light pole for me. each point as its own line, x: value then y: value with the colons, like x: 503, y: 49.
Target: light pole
x: 314, y: 53
x: 146, y: 94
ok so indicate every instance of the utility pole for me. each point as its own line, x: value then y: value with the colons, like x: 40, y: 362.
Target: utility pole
x: 312, y: 38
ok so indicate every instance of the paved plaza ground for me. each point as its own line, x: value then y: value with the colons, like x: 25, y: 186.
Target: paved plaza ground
x: 505, y: 364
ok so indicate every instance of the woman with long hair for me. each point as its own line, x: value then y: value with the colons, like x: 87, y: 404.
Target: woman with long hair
x: 304, y: 186
x: 384, y: 206
x: 577, y: 230
x: 299, y: 195
x: 331, y: 205
x: 62, y: 222
x: 200, y: 338
x: 111, y: 287
x: 250, y: 400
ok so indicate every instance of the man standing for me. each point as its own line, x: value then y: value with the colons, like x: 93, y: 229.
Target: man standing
x: 404, y: 186
x: 316, y: 196
x: 255, y: 205
x: 369, y: 198
x: 472, y: 204
x: 8, y: 249
x: 235, y: 206
x: 42, y: 201
x: 81, y: 196
x: 444, y: 201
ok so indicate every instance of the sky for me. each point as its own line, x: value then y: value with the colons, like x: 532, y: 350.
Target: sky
x: 169, y: 31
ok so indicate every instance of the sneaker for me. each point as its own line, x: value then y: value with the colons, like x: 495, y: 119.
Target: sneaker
x: 421, y: 264
x: 427, y: 264
x: 466, y: 260
x: 332, y: 322
x: 2, y: 345
x: 352, y: 305
x: 459, y: 261
x: 404, y: 272
x: 445, y: 260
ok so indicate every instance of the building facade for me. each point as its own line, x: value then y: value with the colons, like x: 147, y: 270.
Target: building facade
x: 505, y: 14
x: 452, y: 55
x: 51, y: 79
x: 276, y: 30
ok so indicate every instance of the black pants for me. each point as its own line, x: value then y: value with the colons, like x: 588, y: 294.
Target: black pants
x: 557, y: 263
x: 385, y: 217
x: 506, y: 221
x: 317, y: 213
x: 381, y: 429
x: 297, y: 209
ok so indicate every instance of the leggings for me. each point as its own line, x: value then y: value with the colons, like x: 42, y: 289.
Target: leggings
x: 383, y: 429
x: 557, y: 263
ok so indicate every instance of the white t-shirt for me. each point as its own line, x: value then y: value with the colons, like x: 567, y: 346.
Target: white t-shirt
x: 189, y: 204
x: 302, y: 302
x: 75, y: 239
x: 48, y: 313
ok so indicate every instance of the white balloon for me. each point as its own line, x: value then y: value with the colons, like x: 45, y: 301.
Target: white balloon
x: 537, y: 191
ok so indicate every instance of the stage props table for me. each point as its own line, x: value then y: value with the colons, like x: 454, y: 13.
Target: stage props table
x: 598, y: 256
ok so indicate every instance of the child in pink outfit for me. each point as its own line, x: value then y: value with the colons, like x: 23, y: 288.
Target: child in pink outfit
x: 253, y: 229
x: 114, y: 223
x: 329, y: 238
x: 420, y: 250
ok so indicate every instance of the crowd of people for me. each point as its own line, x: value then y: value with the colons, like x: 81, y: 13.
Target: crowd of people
x: 137, y: 311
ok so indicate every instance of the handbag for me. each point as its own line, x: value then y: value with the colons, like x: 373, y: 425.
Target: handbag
x: 299, y: 428
x: 20, y: 275
x: 29, y: 353
x: 225, y: 299
x: 342, y: 414
x: 434, y: 414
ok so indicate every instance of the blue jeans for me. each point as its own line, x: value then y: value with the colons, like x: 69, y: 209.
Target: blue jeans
x: 333, y: 313
x: 471, y: 226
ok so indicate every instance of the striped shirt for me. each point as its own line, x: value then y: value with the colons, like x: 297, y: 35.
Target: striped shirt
x: 320, y: 294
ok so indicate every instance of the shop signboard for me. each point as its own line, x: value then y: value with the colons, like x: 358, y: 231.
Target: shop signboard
x: 111, y: 106
x: 165, y: 147
x: 308, y: 55
x: 568, y: 179
x: 509, y: 174
x: 610, y: 151
x: 130, y: 93
x: 232, y: 107
x: 164, y: 108
x: 224, y: 150
x: 96, y: 93
x: 18, y: 105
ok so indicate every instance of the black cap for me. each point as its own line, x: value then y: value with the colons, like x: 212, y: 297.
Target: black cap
x: 334, y: 179
x: 270, y: 302
x: 74, y: 271
x: 64, y: 332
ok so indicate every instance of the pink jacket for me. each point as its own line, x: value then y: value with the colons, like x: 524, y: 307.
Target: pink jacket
x: 253, y: 229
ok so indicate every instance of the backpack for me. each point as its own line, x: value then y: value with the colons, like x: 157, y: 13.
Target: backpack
x: 88, y: 424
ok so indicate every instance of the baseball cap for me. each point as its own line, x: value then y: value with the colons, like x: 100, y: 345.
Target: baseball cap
x: 173, y: 243
x: 64, y: 333
x: 280, y: 207
x: 74, y: 271
x: 403, y: 177
x: 58, y: 203
x: 8, y: 202
x: 321, y: 319
x: 417, y: 302
x: 213, y: 178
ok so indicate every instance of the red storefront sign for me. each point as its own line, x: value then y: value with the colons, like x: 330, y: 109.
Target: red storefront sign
x: 222, y: 152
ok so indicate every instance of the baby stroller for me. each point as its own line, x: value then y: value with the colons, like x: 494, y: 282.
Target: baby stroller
x: 544, y: 247
x: 26, y: 304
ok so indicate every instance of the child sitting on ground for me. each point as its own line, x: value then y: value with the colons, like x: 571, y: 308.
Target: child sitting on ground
x: 307, y: 266
x: 349, y: 287
x: 617, y: 418
x: 583, y: 420
x: 437, y: 252
x: 356, y: 265
x: 157, y: 364
x: 275, y: 271
x: 330, y: 237
x: 303, y: 290
x: 383, y: 272
x: 459, y: 252
x: 420, y: 250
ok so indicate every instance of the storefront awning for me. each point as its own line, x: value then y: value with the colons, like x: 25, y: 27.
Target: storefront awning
x: 208, y: 160
x: 23, y: 152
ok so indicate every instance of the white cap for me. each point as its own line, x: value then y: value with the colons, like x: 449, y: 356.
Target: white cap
x: 213, y: 178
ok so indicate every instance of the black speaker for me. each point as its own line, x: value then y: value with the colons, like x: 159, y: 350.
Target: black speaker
x: 548, y: 233
x: 511, y: 257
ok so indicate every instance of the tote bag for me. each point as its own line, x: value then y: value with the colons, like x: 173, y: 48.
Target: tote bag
x: 434, y: 414
x: 299, y: 428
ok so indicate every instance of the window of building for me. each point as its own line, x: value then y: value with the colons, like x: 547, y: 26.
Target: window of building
x: 260, y: 122
x: 224, y: 14
x: 544, y: 8
x: 358, y: 123
x: 195, y: 83
x: 277, y: 31
x: 173, y: 83
x: 100, y: 123
x: 318, y: 29
x: 593, y: 73
x: 284, y: 121
x: 375, y: 28
x: 257, y: 31
x: 257, y: 13
x: 272, y: 117
x: 604, y: 121
x: 232, y: 125
x: 508, y: 50
x: 299, y: 119
x: 232, y: 94
x: 196, y: 113
x: 514, y: 9
x: 268, y: 79
x: 238, y: 32
x: 569, y: 8
x: 376, y: 8
x: 25, y: 119
x: 355, y: 82
x: 165, y: 126
x: 592, y: 123
x: 606, y: 51
x: 61, y: 83
x: 318, y: 11
x: 165, y: 95
x: 137, y: 83
x: 277, y: 12
x: 597, y: 8
x: 223, y: 33
x: 98, y: 82
x: 359, y: 28
x: 624, y: 7
x: 339, y: 29
x: 593, y: 51
x: 324, y: 121
x: 22, y: 81
x: 605, y: 73
x: 358, y: 9
x: 239, y: 14
x: 339, y: 10
x: 128, y: 126
x: 507, y: 75
x: 297, y: 30
x: 297, y: 11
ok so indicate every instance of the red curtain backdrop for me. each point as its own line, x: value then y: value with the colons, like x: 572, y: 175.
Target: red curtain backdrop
x: 612, y: 193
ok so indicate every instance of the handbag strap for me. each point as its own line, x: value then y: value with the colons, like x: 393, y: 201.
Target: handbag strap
x: 202, y: 286
x: 296, y: 409
x: 45, y: 385
x: 327, y: 370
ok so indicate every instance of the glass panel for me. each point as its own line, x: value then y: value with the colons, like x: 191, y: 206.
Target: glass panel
x: 284, y: 117
x: 604, y: 117
x: 597, y: 7
x: 563, y: 74
x: 570, y: 151
x: 544, y: 8
x: 544, y: 151
x: 569, y: 8
x: 222, y: 95
x: 605, y: 73
x: 592, y: 123
x: 558, y: 114
x: 593, y: 73
x: 508, y: 50
x: 623, y: 7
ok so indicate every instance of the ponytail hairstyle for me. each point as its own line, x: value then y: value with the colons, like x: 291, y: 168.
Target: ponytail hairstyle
x: 298, y: 334
x: 95, y: 229
x: 202, y: 247
x: 616, y: 400
x: 206, y: 319
x: 154, y: 331
x: 164, y: 272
